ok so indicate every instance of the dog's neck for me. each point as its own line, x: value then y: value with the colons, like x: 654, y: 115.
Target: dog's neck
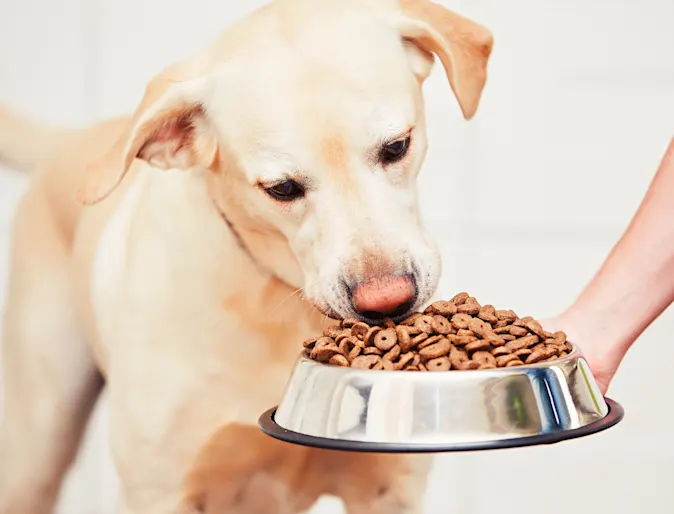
x: 276, y: 301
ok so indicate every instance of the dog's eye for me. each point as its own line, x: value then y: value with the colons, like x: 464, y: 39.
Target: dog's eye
x: 394, y: 151
x: 285, y: 191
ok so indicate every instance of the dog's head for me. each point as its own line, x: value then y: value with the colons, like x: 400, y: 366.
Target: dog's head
x: 306, y: 120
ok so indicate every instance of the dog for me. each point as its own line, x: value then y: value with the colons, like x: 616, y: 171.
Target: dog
x: 180, y: 256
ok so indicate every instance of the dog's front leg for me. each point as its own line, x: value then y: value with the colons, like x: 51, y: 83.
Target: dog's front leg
x: 243, y: 471
x: 379, y: 483
x: 239, y: 470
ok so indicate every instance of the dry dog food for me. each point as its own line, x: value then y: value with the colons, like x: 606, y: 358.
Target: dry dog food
x: 458, y: 334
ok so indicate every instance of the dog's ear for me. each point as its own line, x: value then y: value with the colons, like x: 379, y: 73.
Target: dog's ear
x: 462, y: 46
x: 169, y: 130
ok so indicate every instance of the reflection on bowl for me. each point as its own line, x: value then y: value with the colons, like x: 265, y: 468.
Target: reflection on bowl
x: 353, y: 409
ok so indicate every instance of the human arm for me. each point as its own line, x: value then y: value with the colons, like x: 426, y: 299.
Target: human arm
x: 632, y: 287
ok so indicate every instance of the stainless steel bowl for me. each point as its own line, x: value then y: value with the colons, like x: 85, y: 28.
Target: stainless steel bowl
x: 401, y: 411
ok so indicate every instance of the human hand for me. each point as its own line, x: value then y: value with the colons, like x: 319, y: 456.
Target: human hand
x: 602, y: 355
x: 633, y: 286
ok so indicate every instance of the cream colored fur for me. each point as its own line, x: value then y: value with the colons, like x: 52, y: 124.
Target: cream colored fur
x: 148, y: 257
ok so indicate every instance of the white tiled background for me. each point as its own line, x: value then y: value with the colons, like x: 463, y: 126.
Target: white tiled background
x: 526, y: 200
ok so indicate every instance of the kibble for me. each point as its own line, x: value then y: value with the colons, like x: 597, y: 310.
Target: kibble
x: 459, y: 334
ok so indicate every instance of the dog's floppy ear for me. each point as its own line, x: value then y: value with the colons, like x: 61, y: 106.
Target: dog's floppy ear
x: 462, y: 46
x: 169, y: 130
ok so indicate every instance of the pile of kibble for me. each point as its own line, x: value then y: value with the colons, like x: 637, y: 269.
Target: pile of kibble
x: 458, y: 334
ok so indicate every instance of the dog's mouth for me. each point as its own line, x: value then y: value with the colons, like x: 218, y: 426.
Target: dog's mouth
x: 399, y: 314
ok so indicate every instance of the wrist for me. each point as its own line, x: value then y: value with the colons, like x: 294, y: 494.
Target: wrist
x: 601, y: 335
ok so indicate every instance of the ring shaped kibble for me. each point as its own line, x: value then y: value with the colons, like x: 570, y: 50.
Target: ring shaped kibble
x: 385, y: 339
x: 458, y: 334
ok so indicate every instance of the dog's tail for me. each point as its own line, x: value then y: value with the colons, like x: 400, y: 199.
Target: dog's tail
x: 25, y: 144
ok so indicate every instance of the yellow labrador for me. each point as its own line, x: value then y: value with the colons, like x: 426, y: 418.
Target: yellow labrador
x: 281, y: 159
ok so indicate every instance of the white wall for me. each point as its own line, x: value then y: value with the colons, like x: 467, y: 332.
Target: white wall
x: 526, y: 200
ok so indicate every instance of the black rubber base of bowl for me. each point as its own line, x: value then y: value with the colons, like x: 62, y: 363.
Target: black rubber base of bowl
x: 269, y: 427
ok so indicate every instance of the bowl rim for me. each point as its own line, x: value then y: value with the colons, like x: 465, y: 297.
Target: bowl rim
x: 575, y: 354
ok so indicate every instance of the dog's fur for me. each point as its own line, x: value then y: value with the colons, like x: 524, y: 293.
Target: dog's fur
x: 171, y: 279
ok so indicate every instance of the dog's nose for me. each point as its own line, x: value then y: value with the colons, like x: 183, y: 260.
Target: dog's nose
x: 384, y: 297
